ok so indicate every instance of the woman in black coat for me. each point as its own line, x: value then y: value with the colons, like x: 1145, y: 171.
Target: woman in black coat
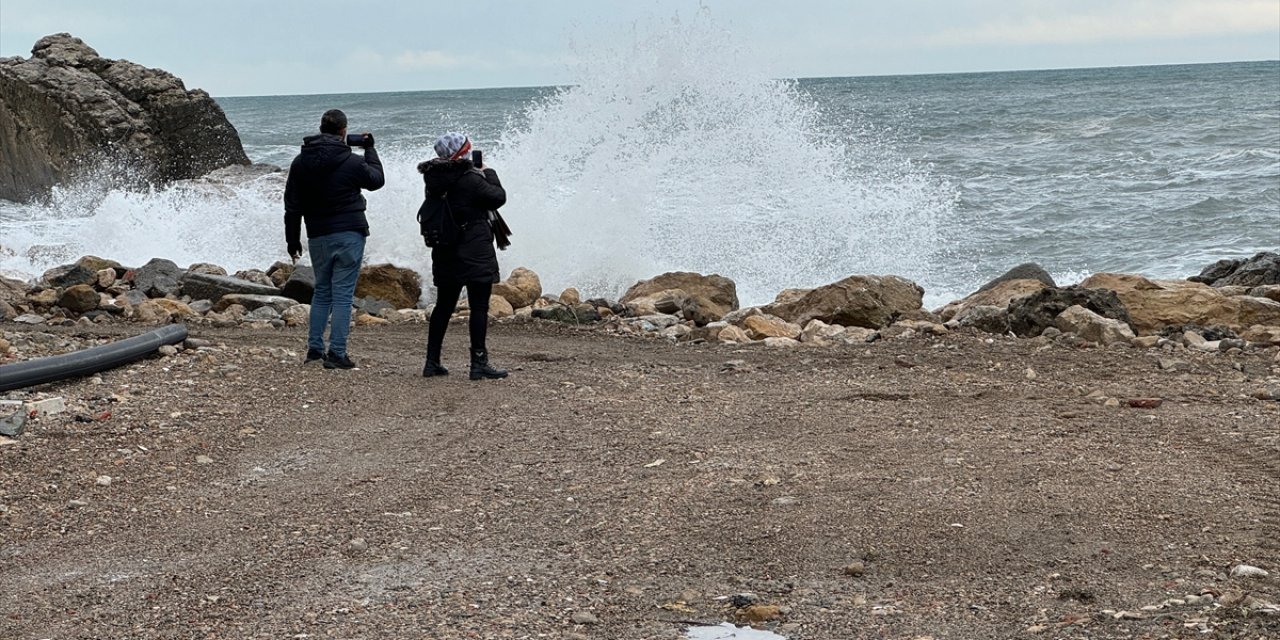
x: 468, y: 193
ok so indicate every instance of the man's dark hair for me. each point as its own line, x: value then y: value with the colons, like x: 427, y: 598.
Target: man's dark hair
x: 333, y: 121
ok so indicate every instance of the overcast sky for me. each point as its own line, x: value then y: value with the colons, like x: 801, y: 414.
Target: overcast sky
x: 278, y: 47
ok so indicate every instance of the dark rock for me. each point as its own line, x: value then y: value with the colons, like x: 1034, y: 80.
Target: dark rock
x: 66, y: 111
x: 612, y: 305
x: 576, y: 314
x: 205, y: 286
x: 79, y: 298
x: 1025, y: 271
x: 301, y: 285
x: 1031, y: 315
x: 1261, y: 269
x: 1209, y: 333
x: 157, y: 278
x: 134, y: 297
x: 68, y: 275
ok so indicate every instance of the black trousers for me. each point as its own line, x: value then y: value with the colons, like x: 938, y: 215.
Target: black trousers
x: 446, y: 303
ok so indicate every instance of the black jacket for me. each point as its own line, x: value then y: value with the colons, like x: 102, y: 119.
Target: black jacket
x: 472, y: 194
x: 324, y: 187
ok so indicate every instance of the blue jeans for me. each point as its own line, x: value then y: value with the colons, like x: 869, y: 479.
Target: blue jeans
x: 336, y: 259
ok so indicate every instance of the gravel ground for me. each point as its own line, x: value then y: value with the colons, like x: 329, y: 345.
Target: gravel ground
x: 949, y: 487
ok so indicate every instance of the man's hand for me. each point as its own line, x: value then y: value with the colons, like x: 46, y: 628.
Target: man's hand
x: 295, y: 250
x: 368, y: 140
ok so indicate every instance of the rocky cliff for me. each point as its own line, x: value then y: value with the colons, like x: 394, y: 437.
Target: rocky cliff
x: 66, y: 112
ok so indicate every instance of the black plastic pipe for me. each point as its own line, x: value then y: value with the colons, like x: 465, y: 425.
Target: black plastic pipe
x: 87, y: 361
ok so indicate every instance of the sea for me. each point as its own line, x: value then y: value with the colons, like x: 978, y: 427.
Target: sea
x: 651, y: 162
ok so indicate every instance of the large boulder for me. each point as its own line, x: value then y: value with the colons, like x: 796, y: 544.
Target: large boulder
x: 705, y: 298
x: 399, y: 286
x: 208, y: 286
x: 873, y: 302
x: 1261, y: 269
x: 1093, y: 327
x: 999, y: 294
x: 300, y: 285
x: 66, y: 111
x: 1025, y: 271
x: 1030, y: 315
x: 68, y: 275
x: 157, y: 278
x: 520, y: 289
x: 1153, y: 305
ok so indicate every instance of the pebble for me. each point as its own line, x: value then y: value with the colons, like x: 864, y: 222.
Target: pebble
x: 103, y: 481
x: 1145, y: 403
x: 358, y: 545
x: 584, y: 617
x: 204, y: 460
x: 76, y: 504
x: 855, y: 569
x: 784, y: 501
x: 1248, y: 571
x: 168, y: 350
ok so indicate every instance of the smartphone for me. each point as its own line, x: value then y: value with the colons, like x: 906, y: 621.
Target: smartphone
x: 477, y: 158
x: 355, y: 139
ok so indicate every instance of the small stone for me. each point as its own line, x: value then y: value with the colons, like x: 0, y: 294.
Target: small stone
x: 168, y: 350
x: 855, y: 569
x: 204, y: 460
x: 584, y: 617
x: 103, y: 481
x: 47, y: 406
x: 1038, y: 628
x: 761, y: 613
x: 1145, y: 403
x: 13, y: 425
x: 1268, y: 393
x: 358, y: 545
x: 784, y: 501
x: 76, y: 504
x: 1031, y: 373
x: 1248, y: 571
x: 1111, y: 402
x: 1128, y: 615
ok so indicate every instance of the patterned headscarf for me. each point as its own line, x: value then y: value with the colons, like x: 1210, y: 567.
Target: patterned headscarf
x: 452, y: 146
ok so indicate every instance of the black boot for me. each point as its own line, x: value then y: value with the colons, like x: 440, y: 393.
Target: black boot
x: 433, y: 366
x: 480, y: 368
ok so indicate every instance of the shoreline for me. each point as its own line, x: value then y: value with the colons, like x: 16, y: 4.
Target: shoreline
x: 958, y: 485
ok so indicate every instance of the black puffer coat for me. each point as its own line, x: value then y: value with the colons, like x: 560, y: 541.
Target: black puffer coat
x: 324, y: 187
x: 472, y: 194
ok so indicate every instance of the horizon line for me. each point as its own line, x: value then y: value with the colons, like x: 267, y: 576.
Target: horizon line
x: 798, y: 78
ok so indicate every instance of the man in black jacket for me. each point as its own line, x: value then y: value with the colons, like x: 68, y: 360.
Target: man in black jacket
x: 323, y: 190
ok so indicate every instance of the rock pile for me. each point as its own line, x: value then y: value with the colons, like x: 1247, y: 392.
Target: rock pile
x: 1105, y: 309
